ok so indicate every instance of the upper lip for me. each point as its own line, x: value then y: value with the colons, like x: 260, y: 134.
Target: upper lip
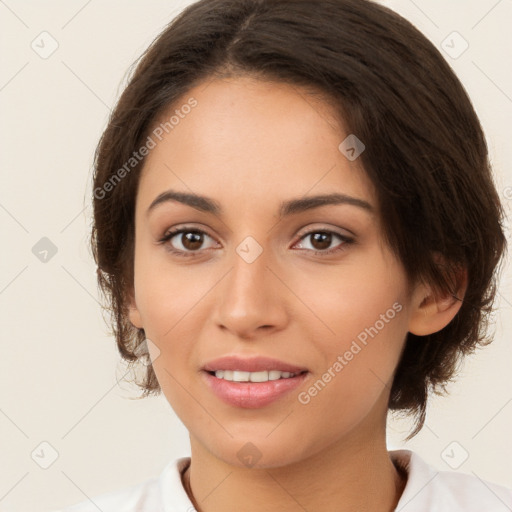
x: 251, y: 364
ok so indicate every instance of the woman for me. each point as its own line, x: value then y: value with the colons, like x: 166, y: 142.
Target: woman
x: 295, y: 224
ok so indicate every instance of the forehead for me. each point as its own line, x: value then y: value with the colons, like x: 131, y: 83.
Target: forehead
x: 255, y: 141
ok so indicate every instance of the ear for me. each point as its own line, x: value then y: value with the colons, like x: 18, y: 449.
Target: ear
x: 133, y: 312
x: 430, y: 312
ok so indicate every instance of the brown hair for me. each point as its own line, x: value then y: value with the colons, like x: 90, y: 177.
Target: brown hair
x: 425, y: 154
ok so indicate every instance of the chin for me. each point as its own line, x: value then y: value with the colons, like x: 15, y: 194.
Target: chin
x: 260, y: 451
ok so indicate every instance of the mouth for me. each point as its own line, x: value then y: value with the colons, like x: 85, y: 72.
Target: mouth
x: 252, y: 383
x: 259, y: 376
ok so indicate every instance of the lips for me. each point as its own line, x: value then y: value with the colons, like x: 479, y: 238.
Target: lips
x: 253, y: 364
x: 251, y: 394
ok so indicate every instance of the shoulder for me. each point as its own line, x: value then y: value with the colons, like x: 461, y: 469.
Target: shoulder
x: 430, y: 489
x: 154, y: 494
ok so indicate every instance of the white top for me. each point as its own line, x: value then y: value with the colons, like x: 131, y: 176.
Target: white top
x: 427, y: 490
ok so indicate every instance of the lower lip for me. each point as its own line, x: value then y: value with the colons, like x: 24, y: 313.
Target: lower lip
x: 252, y: 395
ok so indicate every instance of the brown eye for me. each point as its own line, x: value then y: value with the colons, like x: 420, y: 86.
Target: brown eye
x: 191, y: 240
x: 321, y: 240
x: 185, y: 241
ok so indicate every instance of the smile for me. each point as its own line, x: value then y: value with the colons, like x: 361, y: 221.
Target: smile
x: 252, y: 390
x: 261, y: 376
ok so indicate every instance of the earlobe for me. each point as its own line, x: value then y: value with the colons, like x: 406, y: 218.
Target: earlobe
x: 133, y: 312
x: 431, y: 313
x: 134, y: 317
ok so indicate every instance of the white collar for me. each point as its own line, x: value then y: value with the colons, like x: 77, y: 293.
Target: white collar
x: 427, y: 489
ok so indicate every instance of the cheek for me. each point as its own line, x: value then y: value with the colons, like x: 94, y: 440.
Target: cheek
x: 351, y: 300
x: 367, y: 318
x: 167, y: 294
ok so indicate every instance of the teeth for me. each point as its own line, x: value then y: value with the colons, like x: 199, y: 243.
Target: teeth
x: 263, y: 376
x: 240, y: 376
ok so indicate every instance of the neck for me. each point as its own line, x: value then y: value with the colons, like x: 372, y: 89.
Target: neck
x: 346, y: 476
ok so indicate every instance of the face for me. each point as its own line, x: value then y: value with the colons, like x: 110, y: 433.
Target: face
x: 235, y: 273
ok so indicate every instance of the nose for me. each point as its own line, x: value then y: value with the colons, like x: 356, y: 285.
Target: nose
x: 251, y: 298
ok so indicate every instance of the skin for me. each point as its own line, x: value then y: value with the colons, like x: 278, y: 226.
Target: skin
x: 249, y: 145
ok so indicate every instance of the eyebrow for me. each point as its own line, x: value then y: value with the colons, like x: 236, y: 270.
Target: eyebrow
x: 286, y: 208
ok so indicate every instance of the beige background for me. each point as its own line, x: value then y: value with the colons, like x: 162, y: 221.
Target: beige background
x: 59, y: 369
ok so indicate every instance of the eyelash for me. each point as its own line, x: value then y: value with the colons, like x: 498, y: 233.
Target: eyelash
x: 190, y: 254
